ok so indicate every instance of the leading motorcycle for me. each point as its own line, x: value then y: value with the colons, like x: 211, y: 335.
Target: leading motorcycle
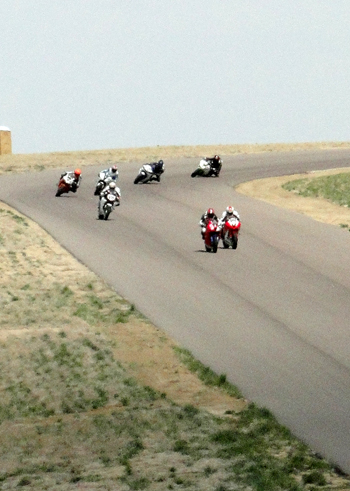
x: 212, y: 236
x: 205, y: 169
x: 229, y: 232
x: 107, y: 204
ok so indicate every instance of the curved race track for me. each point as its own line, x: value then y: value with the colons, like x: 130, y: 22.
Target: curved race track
x: 273, y: 315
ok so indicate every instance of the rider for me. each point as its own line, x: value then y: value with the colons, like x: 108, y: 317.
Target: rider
x: 229, y: 213
x: 111, y: 172
x: 111, y: 188
x: 205, y: 218
x: 215, y: 164
x: 157, y: 169
x: 76, y: 175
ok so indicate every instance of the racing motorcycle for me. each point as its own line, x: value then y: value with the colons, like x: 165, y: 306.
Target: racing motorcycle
x: 229, y: 232
x: 65, y: 184
x: 110, y: 201
x: 147, y: 174
x: 212, y: 236
x: 205, y: 169
x: 103, y: 180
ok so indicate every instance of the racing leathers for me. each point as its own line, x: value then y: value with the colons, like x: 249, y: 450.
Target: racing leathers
x: 76, y: 179
x: 204, y: 221
x: 111, y: 188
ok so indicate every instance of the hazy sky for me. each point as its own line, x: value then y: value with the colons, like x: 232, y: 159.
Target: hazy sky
x: 94, y: 74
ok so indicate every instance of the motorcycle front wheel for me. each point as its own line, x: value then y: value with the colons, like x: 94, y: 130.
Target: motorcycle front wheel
x: 138, y: 178
x: 234, y: 242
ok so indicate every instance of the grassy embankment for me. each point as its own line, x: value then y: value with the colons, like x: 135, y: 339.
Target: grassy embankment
x: 73, y: 411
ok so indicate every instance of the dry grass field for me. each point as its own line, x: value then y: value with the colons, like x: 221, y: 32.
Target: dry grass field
x: 40, y: 161
x: 93, y: 396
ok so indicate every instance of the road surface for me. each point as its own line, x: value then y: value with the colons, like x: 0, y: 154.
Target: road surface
x: 272, y: 315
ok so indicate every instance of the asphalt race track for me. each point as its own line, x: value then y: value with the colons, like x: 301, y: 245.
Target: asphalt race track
x: 274, y: 315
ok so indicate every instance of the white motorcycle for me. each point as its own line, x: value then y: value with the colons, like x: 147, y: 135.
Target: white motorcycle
x: 205, y: 169
x: 147, y: 174
x: 107, y: 204
x: 103, y: 180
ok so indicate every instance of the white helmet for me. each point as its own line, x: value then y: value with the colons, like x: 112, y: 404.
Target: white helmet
x: 230, y: 210
x: 112, y: 185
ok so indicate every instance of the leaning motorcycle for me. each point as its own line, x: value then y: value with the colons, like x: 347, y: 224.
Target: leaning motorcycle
x: 103, y: 180
x: 229, y: 233
x: 65, y: 184
x: 110, y: 201
x: 212, y: 236
x: 205, y: 169
x: 146, y: 174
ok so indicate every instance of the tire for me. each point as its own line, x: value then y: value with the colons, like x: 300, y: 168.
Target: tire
x: 59, y: 192
x: 195, y: 173
x: 234, y: 242
x: 215, y: 247
x: 226, y: 246
x: 207, y: 248
x: 138, y: 179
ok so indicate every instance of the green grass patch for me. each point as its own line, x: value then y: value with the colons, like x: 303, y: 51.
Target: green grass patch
x: 335, y: 188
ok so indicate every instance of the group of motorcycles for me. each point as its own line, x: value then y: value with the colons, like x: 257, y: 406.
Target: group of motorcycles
x: 226, y: 231
x: 216, y: 230
x: 147, y: 173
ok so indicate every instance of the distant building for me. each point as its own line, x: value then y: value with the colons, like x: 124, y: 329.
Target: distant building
x: 5, y: 140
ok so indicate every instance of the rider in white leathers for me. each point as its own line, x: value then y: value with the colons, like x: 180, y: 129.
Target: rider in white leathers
x: 229, y: 213
x: 111, y: 172
x: 111, y: 188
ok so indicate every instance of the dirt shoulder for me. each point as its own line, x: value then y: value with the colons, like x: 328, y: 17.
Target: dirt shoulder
x: 271, y: 191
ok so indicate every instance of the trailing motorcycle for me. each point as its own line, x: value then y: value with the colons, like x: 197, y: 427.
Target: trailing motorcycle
x: 149, y: 172
x: 65, y: 184
x: 212, y: 236
x: 229, y: 232
x: 106, y: 205
x: 103, y: 180
x: 206, y: 169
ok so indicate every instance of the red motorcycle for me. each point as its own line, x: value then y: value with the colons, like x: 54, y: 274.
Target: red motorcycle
x: 65, y: 184
x: 212, y: 236
x: 229, y: 233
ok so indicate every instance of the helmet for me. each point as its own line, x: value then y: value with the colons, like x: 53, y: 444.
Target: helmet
x: 216, y: 157
x: 210, y: 213
x: 161, y: 162
x: 112, y: 185
x: 77, y: 172
x: 114, y: 168
x: 230, y: 210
